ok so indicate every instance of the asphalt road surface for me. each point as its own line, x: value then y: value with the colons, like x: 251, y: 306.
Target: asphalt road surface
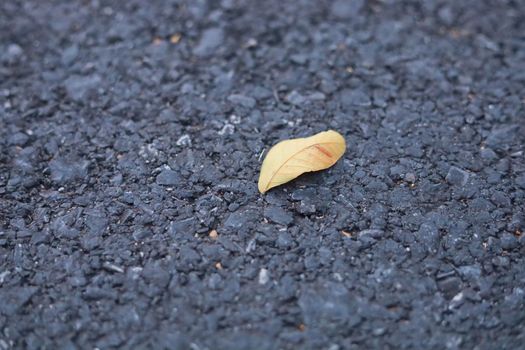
x: 131, y: 138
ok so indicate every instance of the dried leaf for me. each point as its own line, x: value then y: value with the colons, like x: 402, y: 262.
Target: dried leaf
x: 288, y: 159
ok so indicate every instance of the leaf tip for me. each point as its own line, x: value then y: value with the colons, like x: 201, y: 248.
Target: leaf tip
x: 260, y: 186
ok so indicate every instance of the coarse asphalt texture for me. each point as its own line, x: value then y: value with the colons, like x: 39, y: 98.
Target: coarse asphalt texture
x: 132, y: 134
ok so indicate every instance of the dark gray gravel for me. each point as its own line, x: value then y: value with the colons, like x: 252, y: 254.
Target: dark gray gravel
x: 129, y: 131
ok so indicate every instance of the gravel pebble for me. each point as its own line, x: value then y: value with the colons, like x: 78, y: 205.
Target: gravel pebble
x: 278, y: 215
x: 242, y: 100
x: 211, y: 39
x: 78, y: 87
x: 457, y: 176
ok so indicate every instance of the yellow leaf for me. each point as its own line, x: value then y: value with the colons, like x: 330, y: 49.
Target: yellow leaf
x: 288, y: 159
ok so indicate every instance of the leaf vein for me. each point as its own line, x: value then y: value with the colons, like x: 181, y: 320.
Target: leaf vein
x: 292, y: 156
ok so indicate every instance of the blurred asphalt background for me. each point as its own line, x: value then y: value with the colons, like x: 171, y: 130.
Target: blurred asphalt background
x: 131, y: 135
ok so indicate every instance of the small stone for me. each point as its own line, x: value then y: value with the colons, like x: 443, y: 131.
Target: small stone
x: 299, y: 59
x: 471, y: 272
x: 3, y: 275
x: 175, y: 38
x: 491, y: 45
x: 520, y: 181
x: 317, y: 96
x: 374, y: 233
x: 410, y: 177
x: 242, y: 100
x: 138, y: 235
x: 227, y: 129
x: 235, y: 220
x: 12, y: 54
x: 508, y: 241
x: 457, y: 300
x: 64, y: 171
x: 252, y: 244
x: 213, y: 234
x: 112, y: 268
x: 18, y: 139
x: 168, y: 115
x: 457, y: 176
x: 63, y: 226
x: 187, y: 88
x: 77, y: 87
x: 488, y: 154
x: 15, y: 50
x: 13, y: 298
x: 284, y: 240
x: 330, y: 305
x: 502, y: 137
x: 446, y: 15
x: 211, y: 39
x: 354, y: 98
x: 306, y: 207
x: 428, y: 235
x: 264, y: 276
x: 303, y: 194
x: 493, y: 177
x: 188, y: 256
x: 501, y: 199
x: 96, y: 223
x: 311, y: 263
x: 378, y: 331
x: 184, y: 140
x: 235, y: 119
x: 69, y: 55
x: 450, y: 286
x: 214, y: 281
x: 278, y: 215
x: 295, y: 98
x: 481, y: 205
x: 501, y: 261
x: 185, y: 226
x: 252, y: 42
x: 168, y: 177
x: 344, y: 9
